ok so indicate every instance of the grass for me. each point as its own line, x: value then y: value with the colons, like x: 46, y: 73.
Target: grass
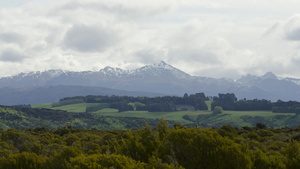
x: 106, y: 110
x: 254, y: 113
x: 76, y: 108
x: 174, y: 116
x: 247, y: 118
x: 234, y: 118
x: 47, y: 106
x: 81, y: 107
x: 239, y: 116
x: 208, y: 103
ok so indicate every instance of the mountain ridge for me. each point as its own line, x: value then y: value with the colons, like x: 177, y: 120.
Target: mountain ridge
x: 53, y: 73
x: 160, y: 78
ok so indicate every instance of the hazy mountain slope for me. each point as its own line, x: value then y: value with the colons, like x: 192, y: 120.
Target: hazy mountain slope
x: 50, y: 94
x: 156, y: 78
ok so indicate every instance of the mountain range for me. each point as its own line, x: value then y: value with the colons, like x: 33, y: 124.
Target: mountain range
x: 151, y: 80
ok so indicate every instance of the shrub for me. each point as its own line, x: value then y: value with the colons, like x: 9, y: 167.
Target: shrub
x: 218, y: 110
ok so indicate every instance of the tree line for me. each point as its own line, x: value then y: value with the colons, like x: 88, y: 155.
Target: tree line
x: 229, y: 101
x: 128, y: 103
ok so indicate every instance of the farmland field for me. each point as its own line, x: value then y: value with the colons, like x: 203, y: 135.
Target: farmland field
x: 191, y: 118
x: 174, y: 116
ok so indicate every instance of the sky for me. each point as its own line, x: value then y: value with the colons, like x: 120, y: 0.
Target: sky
x: 220, y: 38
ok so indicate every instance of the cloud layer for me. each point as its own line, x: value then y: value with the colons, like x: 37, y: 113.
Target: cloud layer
x: 203, y: 38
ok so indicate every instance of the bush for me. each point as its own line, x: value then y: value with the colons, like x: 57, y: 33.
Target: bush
x: 218, y: 110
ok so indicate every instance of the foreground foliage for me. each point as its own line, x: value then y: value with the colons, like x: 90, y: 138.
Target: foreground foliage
x: 159, y: 147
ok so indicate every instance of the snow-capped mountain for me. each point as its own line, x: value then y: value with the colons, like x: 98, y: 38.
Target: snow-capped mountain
x: 160, y: 78
x: 160, y: 71
x: 294, y: 80
x: 250, y: 80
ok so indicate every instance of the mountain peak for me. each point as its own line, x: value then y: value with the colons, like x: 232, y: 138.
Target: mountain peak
x: 108, y: 68
x: 269, y: 75
x: 111, y: 70
x: 162, y: 65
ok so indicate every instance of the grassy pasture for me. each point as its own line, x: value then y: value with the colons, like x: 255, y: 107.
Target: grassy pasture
x: 208, y: 103
x: 174, y: 116
x: 246, y: 118
x: 76, y: 108
x: 39, y: 106
x: 204, y: 118
x: 81, y: 107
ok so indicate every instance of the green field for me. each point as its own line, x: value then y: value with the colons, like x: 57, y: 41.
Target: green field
x: 47, y: 106
x: 202, y: 118
x: 248, y: 118
x: 208, y: 103
x: 173, y: 116
x: 81, y: 107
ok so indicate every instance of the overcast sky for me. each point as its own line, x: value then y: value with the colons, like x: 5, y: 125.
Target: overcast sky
x: 223, y: 38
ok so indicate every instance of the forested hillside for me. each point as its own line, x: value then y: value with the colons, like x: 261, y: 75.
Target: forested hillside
x: 25, y: 117
x: 151, y: 104
x: 126, y: 112
x: 161, y: 147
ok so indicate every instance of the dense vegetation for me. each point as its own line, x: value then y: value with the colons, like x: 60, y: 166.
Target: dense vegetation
x: 20, y: 117
x: 229, y: 102
x: 123, y: 112
x: 158, y: 147
x: 196, y: 101
x: 48, y: 138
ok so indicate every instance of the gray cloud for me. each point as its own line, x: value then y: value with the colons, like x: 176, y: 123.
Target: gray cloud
x: 195, y: 55
x: 89, y: 38
x: 271, y: 30
x: 10, y: 55
x: 9, y: 37
x: 148, y: 56
x: 295, y: 61
x: 293, y: 34
x: 292, y: 28
x: 219, y: 72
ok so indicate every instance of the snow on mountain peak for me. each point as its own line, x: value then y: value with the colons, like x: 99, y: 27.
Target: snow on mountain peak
x: 269, y: 75
x: 55, y: 73
x: 162, y: 65
x: 108, y: 69
x: 160, y: 70
x: 36, y: 74
x: 111, y: 70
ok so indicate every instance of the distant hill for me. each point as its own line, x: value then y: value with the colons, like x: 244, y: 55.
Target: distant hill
x: 25, y: 117
x: 49, y: 94
x: 149, y: 80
